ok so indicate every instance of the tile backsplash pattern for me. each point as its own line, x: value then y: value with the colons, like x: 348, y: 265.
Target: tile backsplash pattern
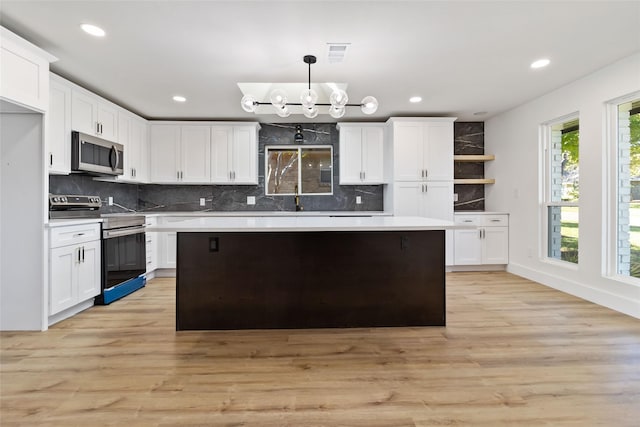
x: 468, y: 138
x: 179, y: 198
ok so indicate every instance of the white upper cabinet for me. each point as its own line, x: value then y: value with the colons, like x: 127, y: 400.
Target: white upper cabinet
x: 164, y: 147
x: 195, y: 153
x: 24, y: 72
x: 180, y: 153
x: 234, y: 154
x: 361, y: 153
x: 132, y: 133
x: 138, y: 149
x: 423, y: 149
x: 93, y: 115
x: 59, y: 128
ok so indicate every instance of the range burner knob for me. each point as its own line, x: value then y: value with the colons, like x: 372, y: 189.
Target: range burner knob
x: 63, y: 199
x: 56, y: 199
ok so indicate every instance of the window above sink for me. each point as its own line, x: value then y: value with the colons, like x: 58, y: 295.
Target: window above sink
x: 305, y: 169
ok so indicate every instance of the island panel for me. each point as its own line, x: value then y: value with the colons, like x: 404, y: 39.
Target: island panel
x: 265, y: 280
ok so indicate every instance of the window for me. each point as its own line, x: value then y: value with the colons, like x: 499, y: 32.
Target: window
x: 627, y: 191
x: 292, y: 169
x: 562, y: 189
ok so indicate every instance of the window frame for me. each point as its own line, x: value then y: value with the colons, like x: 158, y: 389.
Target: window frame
x: 299, y: 148
x: 610, y: 167
x: 546, y: 193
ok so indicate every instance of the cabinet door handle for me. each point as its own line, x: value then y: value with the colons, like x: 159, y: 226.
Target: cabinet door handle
x: 79, y: 255
x: 50, y: 159
x: 83, y: 254
x: 78, y: 234
x: 364, y: 175
x: 426, y: 173
x: 178, y: 175
x: 422, y: 173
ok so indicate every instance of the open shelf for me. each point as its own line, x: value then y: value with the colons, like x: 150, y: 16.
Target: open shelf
x: 473, y: 157
x: 474, y: 181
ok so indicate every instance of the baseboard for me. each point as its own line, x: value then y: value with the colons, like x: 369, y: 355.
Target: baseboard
x: 597, y: 296
x: 69, y: 312
x: 165, y: 272
x: 492, y: 267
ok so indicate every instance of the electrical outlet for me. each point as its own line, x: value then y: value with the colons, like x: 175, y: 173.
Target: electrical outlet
x: 202, y: 201
x: 110, y: 201
x: 455, y: 197
x: 251, y: 200
x: 358, y: 200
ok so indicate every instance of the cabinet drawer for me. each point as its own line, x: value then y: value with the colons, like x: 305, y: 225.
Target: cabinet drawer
x: 74, y: 234
x: 467, y: 219
x: 495, y: 220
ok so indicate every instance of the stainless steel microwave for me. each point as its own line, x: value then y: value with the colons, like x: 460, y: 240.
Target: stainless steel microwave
x: 96, y: 155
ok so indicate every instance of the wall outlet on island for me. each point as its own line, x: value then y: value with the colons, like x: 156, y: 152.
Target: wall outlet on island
x: 202, y: 201
x: 110, y: 201
x: 358, y: 200
x: 251, y: 200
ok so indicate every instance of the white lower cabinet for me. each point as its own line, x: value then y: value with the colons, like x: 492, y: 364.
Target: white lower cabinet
x: 486, y: 244
x: 151, y: 244
x: 74, y: 265
x: 167, y: 251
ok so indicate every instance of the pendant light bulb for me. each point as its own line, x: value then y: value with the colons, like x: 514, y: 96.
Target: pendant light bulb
x: 338, y: 98
x: 369, y: 105
x: 311, y: 113
x: 336, y: 112
x: 278, y: 98
x: 308, y: 98
x: 248, y: 103
x: 283, y: 111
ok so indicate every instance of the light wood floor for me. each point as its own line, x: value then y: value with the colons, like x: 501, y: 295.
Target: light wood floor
x: 513, y: 353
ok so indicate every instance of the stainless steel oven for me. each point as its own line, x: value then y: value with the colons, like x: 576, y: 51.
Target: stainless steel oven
x: 123, y: 257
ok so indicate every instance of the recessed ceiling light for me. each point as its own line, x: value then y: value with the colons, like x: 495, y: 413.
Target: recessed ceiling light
x: 93, y: 30
x: 415, y: 99
x: 479, y: 113
x: 179, y: 98
x: 540, y: 63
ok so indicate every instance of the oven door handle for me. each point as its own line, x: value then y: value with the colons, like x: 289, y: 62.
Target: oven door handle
x: 108, y: 234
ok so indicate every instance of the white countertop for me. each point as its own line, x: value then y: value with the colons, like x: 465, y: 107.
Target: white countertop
x: 258, y: 213
x: 71, y: 221
x: 479, y: 213
x: 299, y: 223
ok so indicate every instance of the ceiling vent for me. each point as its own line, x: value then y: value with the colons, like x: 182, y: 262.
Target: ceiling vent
x: 336, y: 52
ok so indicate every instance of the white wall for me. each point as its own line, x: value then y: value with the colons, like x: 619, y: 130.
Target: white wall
x: 513, y: 137
x: 22, y: 265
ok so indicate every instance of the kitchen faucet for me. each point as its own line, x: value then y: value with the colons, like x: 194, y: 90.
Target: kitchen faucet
x: 297, y: 199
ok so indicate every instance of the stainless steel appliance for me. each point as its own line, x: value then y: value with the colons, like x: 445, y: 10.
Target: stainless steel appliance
x: 95, y: 155
x: 123, y: 257
x: 74, y: 206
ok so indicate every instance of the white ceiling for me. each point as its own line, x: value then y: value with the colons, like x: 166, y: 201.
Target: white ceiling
x: 461, y: 57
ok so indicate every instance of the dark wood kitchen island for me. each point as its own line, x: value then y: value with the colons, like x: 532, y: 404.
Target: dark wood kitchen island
x: 310, y: 272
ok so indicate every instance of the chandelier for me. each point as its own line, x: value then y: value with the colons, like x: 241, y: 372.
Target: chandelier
x: 338, y: 100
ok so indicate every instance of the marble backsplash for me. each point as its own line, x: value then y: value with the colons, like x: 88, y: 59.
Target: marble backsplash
x: 468, y: 138
x: 178, y: 198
